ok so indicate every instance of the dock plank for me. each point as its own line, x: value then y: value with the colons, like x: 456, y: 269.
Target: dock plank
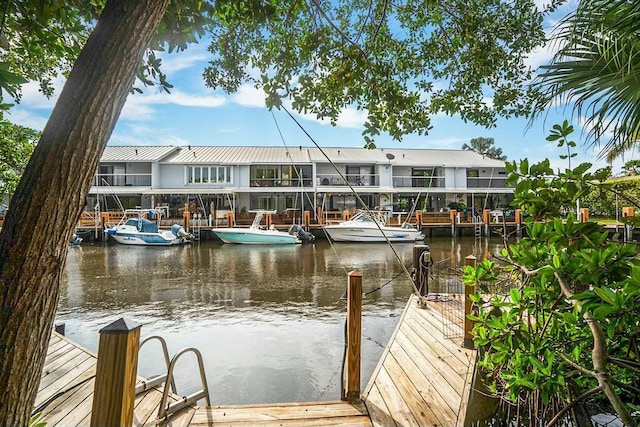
x: 422, y: 376
x: 398, y: 409
x: 66, y: 389
x: 378, y: 410
x: 440, y: 395
x: 423, y: 412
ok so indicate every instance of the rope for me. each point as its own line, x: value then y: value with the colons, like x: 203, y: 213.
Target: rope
x: 47, y: 402
x: 385, y: 284
x: 331, y: 245
x: 406, y: 271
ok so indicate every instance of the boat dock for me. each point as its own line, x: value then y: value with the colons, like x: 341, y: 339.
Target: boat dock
x: 423, y: 378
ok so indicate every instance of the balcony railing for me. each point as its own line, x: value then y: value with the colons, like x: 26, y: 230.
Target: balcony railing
x: 487, y: 182
x: 419, y: 181
x: 328, y: 179
x: 279, y: 182
x: 123, y: 180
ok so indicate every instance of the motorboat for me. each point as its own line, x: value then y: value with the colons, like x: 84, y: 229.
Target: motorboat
x: 256, y: 234
x: 135, y: 229
x: 370, y: 226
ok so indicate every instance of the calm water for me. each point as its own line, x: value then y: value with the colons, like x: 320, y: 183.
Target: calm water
x: 269, y: 321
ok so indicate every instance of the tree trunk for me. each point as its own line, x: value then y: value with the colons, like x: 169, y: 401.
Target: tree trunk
x: 48, y: 201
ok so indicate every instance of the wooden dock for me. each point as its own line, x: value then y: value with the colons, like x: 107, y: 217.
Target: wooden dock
x: 65, y: 394
x: 422, y: 379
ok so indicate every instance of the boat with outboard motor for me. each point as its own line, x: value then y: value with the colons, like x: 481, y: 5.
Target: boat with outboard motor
x: 370, y: 226
x: 258, y: 235
x: 135, y: 229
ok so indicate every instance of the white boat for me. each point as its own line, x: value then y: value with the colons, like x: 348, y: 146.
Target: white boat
x: 367, y: 226
x: 134, y: 229
x: 257, y: 235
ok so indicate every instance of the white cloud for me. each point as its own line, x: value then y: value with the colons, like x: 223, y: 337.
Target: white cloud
x: 33, y: 98
x: 26, y: 118
x: 249, y: 96
x: 352, y: 118
x: 446, y: 143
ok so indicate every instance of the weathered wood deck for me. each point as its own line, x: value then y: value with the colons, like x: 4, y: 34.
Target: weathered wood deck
x: 422, y: 379
x: 65, y: 394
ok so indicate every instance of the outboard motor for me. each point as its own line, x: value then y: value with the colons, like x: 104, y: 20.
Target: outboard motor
x: 76, y: 240
x: 300, y: 233
x: 178, y: 231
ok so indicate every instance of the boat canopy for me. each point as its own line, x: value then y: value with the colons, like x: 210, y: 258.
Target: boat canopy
x: 143, y: 225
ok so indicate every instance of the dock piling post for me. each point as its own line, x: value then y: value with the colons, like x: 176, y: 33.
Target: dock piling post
x: 421, y: 275
x: 354, y: 337
x: 468, y: 291
x: 115, y: 385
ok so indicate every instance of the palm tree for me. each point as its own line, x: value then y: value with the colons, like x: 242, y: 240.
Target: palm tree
x: 598, y: 72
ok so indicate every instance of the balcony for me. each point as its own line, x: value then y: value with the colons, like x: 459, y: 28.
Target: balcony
x: 418, y: 181
x: 487, y: 182
x: 122, y: 180
x: 355, y: 180
x: 279, y: 182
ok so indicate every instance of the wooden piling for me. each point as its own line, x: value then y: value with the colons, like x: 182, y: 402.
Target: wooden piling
x: 422, y: 274
x: 354, y: 337
x: 452, y: 220
x: 306, y: 220
x: 115, y: 384
x: 468, y: 291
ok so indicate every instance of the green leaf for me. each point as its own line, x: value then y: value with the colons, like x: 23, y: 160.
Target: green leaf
x: 606, y: 294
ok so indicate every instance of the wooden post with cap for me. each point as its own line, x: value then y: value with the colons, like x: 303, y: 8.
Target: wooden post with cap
x: 354, y: 337
x: 115, y: 387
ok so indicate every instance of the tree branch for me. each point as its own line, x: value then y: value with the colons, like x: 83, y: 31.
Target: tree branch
x: 566, y: 409
x: 599, y: 356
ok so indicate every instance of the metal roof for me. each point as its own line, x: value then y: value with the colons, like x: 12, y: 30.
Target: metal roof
x: 243, y: 155
x: 430, y: 157
x: 235, y: 155
x: 347, y: 155
x: 139, y: 153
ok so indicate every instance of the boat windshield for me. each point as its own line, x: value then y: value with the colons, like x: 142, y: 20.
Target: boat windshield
x: 363, y: 216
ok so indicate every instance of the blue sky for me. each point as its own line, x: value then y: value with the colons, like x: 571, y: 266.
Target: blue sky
x: 196, y: 115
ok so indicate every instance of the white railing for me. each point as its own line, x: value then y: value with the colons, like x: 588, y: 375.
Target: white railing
x: 487, y: 182
x: 418, y: 181
x: 123, y: 179
x: 334, y: 179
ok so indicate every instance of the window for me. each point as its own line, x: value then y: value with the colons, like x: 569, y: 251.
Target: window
x: 209, y: 174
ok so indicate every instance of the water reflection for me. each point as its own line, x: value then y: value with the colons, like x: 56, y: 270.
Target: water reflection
x: 268, y: 320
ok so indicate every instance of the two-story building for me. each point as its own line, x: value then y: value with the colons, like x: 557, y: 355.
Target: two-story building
x: 243, y: 178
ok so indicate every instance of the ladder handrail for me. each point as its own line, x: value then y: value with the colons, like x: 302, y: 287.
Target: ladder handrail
x: 167, y: 409
x: 146, y: 385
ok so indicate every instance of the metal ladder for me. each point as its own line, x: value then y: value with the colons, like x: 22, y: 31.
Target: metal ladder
x: 167, y: 409
x: 477, y: 226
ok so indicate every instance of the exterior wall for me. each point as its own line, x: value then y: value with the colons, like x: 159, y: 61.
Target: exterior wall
x: 243, y: 177
x: 455, y: 178
x: 172, y: 176
x: 385, y: 175
x: 155, y: 175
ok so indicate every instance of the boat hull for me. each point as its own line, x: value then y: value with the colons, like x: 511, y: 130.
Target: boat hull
x: 146, y: 239
x: 255, y: 237
x: 373, y: 235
